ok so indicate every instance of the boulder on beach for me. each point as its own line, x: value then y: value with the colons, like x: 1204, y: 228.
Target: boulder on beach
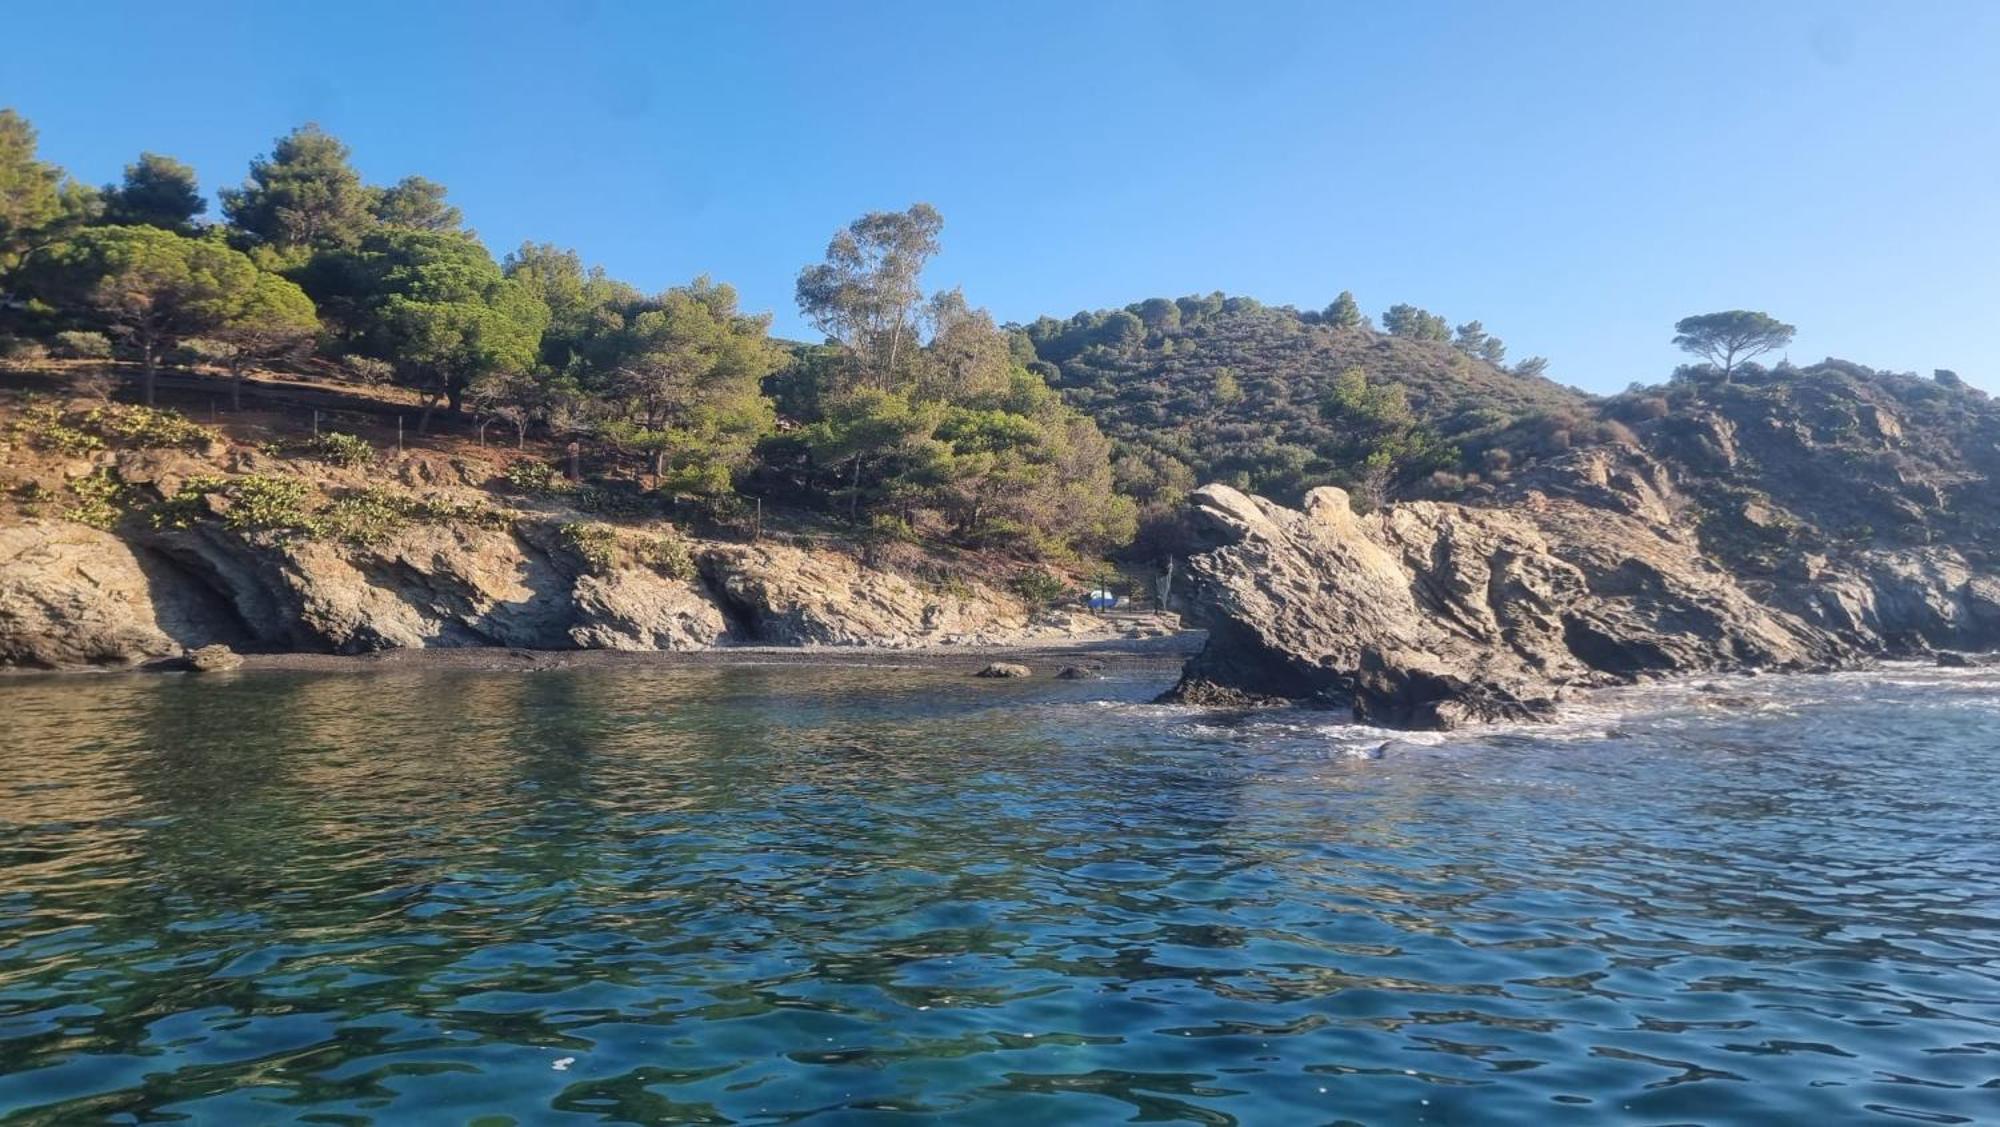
x: 213, y: 659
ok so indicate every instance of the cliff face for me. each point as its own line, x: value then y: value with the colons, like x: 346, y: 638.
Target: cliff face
x: 72, y: 595
x: 1431, y: 614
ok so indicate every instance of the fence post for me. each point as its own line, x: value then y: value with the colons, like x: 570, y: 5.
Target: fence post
x: 315, y: 422
x: 399, y: 435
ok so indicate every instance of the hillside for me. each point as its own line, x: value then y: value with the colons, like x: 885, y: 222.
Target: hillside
x: 1785, y: 465
x: 1244, y: 393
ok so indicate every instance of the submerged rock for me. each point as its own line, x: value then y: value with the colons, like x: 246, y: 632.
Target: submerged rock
x: 1005, y: 669
x: 213, y: 659
x: 1077, y: 673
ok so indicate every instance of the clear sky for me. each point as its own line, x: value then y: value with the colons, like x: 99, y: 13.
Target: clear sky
x: 1576, y: 175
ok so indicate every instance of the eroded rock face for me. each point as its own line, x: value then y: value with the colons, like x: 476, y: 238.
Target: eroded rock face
x: 784, y: 596
x: 1433, y: 615
x: 638, y: 609
x: 71, y: 595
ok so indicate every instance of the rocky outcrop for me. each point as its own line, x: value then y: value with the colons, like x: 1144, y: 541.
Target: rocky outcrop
x: 72, y: 595
x: 1005, y: 670
x: 639, y: 609
x: 1596, y: 569
x: 1433, y: 615
x: 786, y: 596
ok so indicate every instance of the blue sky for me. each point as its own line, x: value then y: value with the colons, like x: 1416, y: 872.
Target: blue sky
x: 1576, y: 175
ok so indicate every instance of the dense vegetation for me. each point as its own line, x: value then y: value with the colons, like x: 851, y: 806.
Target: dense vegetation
x: 1278, y: 401
x: 918, y: 418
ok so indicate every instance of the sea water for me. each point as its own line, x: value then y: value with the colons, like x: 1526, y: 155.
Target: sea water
x: 839, y: 894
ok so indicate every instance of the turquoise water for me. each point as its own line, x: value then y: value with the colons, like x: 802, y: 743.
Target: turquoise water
x: 840, y: 895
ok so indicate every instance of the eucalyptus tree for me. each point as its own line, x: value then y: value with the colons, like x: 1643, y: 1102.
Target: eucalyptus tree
x: 867, y: 294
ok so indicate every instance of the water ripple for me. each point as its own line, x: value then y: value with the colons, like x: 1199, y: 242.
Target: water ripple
x: 780, y: 894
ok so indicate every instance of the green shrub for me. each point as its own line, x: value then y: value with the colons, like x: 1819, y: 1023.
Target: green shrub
x: 534, y: 476
x: 596, y: 544
x: 668, y: 554
x: 75, y: 345
x: 43, y: 426
x: 887, y: 526
x: 367, y: 370
x: 251, y: 503
x: 1039, y: 588
x: 340, y: 449
x: 200, y: 350
x: 98, y: 497
x: 148, y: 428
x: 369, y: 516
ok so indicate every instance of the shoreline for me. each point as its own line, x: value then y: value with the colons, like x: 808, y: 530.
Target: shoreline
x: 1053, y: 655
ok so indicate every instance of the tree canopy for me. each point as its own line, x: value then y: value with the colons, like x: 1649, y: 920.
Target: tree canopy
x: 155, y: 288
x: 158, y: 191
x: 1728, y: 338
x: 305, y: 195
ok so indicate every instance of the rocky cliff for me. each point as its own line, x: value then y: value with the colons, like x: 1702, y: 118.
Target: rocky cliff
x: 117, y: 551
x: 72, y: 595
x: 1434, y: 614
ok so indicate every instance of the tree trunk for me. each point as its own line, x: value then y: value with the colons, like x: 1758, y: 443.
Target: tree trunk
x: 854, y: 494
x: 236, y: 390
x: 521, y: 435
x: 149, y: 363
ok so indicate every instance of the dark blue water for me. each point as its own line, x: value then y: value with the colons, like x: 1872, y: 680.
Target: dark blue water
x: 836, y: 895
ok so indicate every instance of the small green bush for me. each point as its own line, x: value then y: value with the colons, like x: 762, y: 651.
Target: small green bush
x: 44, y: 426
x: 1039, y: 588
x: 148, y: 428
x: 886, y: 526
x: 668, y: 554
x: 200, y: 350
x: 367, y: 370
x: 75, y: 345
x: 251, y: 503
x: 534, y: 476
x: 340, y: 449
x: 98, y: 497
x: 369, y: 516
x: 596, y: 544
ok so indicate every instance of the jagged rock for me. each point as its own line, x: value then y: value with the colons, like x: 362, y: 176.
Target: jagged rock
x: 213, y: 659
x: 780, y: 595
x: 638, y: 609
x: 72, y: 595
x: 1005, y: 669
x: 1434, y: 615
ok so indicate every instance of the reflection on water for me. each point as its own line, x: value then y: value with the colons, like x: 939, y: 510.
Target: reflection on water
x: 752, y: 894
